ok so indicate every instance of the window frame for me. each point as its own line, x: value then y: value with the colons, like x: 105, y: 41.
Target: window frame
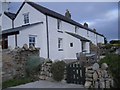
x: 71, y: 44
x: 59, y: 24
x: 60, y: 44
x: 32, y: 40
x: 83, y: 45
x: 26, y: 18
x: 76, y: 29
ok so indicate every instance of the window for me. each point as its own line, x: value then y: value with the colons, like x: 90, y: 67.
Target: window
x: 83, y: 47
x: 76, y: 29
x: 60, y: 44
x: 71, y: 44
x: 59, y: 24
x: 87, y: 33
x: 32, y: 40
x: 26, y: 18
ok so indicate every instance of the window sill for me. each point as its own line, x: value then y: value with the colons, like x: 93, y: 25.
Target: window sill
x: 60, y: 49
x: 60, y: 31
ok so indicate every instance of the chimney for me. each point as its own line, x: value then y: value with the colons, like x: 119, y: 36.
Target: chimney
x: 94, y: 30
x: 68, y: 14
x: 85, y: 24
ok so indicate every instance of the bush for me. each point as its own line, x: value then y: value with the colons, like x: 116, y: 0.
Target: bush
x: 58, y: 70
x: 33, y: 65
x: 113, y: 61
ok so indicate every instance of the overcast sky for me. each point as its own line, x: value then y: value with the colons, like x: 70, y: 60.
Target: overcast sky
x: 100, y: 15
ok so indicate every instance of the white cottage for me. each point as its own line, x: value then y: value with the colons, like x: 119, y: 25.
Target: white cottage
x: 57, y: 36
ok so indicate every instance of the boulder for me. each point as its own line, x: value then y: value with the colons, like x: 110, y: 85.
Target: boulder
x: 25, y: 46
x: 88, y: 84
x: 104, y: 66
x: 95, y: 66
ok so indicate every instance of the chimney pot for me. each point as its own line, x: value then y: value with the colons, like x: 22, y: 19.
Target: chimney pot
x: 94, y: 30
x: 85, y: 24
x: 68, y: 14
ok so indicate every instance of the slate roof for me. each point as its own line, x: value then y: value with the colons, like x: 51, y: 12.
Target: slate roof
x: 10, y: 15
x: 19, y: 28
x: 78, y: 36
x: 59, y: 16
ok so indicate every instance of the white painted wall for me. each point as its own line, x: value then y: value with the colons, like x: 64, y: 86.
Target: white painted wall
x: 100, y: 39
x: 34, y: 16
x: 6, y: 22
x: 11, y: 41
x: 68, y: 52
x: 87, y: 47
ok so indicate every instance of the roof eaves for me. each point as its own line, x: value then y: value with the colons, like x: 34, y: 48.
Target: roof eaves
x: 78, y: 36
x: 19, y: 28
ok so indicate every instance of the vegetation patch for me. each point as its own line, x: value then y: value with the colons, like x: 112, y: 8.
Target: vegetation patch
x: 113, y: 60
x: 16, y: 82
x: 33, y: 65
x: 58, y: 70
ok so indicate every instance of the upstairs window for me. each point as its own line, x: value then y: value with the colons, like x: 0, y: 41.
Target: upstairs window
x: 76, y: 29
x: 59, y: 24
x: 60, y: 44
x: 32, y: 40
x: 87, y: 33
x: 26, y: 18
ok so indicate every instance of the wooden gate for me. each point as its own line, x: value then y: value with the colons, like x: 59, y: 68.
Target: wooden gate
x: 75, y: 74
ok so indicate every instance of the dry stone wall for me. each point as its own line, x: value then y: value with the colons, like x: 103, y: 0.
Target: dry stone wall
x: 45, y: 73
x: 14, y: 61
x: 97, y: 77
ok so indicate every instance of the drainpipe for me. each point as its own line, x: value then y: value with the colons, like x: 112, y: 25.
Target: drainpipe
x: 47, y: 36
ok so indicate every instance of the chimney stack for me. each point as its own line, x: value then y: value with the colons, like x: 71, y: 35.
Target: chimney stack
x: 68, y: 14
x: 94, y: 30
x: 85, y: 24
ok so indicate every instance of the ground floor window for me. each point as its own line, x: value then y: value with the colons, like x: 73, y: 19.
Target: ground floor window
x: 60, y: 44
x: 83, y: 47
x: 32, y: 40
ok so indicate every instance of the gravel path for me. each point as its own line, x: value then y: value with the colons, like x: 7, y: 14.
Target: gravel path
x: 48, y: 84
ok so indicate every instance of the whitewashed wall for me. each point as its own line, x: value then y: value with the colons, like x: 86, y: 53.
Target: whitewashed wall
x: 34, y: 15
x: 6, y: 22
x: 11, y: 41
x: 68, y: 52
x: 100, y: 39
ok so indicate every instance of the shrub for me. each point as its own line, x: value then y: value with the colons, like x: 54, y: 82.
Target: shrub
x: 33, y: 65
x: 113, y: 61
x: 58, y: 70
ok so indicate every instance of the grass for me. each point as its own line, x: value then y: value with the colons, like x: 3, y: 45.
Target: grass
x: 15, y: 82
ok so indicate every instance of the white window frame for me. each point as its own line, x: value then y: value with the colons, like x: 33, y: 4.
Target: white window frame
x: 60, y: 44
x: 83, y: 46
x: 26, y: 18
x: 33, y: 40
x: 59, y: 24
x: 87, y: 33
x: 76, y: 29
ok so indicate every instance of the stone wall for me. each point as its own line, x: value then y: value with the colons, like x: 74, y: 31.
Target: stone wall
x: 45, y: 73
x: 97, y: 77
x: 14, y: 61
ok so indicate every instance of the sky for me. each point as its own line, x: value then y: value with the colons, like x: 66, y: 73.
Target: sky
x: 103, y: 16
